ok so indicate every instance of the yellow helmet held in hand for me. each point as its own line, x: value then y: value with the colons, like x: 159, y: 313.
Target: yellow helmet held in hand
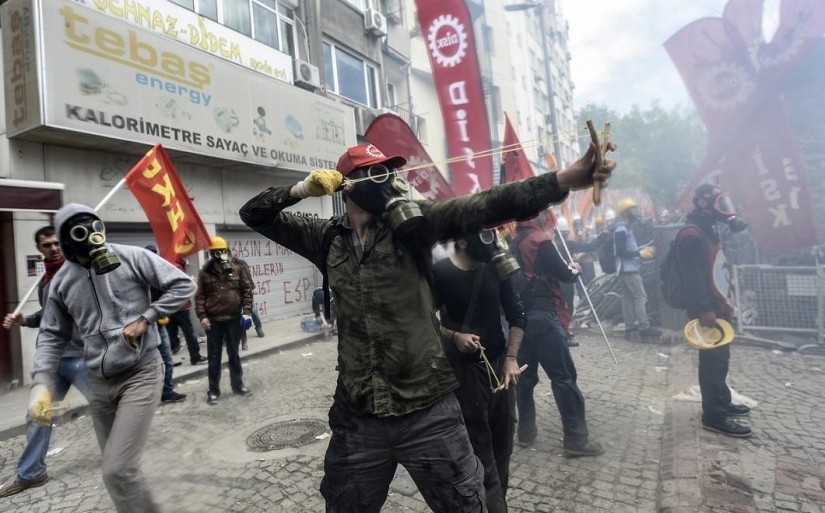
x: 626, y: 204
x: 218, y: 243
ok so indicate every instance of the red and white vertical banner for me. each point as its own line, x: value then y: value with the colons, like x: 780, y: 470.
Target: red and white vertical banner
x: 448, y: 34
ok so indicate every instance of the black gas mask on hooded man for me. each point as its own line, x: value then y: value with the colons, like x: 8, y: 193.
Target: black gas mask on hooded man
x: 488, y: 246
x: 712, y: 202
x: 378, y: 188
x: 82, y: 234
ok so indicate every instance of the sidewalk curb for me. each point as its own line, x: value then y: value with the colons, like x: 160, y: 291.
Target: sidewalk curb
x: 76, y: 412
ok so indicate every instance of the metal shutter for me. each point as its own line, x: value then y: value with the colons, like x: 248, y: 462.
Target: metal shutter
x: 284, y: 281
x: 140, y: 239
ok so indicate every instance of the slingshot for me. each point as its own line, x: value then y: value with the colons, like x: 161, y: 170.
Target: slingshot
x: 491, y: 372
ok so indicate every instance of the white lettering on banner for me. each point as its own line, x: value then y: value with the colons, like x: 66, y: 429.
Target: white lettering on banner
x: 771, y: 192
x: 192, y: 29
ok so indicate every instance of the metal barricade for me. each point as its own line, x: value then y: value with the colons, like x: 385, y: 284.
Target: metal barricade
x: 780, y: 299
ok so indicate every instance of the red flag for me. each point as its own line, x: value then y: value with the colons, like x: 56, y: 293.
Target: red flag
x: 393, y: 136
x: 156, y: 185
x: 448, y: 32
x: 516, y: 165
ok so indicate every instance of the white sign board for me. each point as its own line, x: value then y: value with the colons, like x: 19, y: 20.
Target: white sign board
x: 111, y: 79
x: 192, y: 29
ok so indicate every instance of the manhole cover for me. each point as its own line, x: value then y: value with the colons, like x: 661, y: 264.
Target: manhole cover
x: 292, y: 433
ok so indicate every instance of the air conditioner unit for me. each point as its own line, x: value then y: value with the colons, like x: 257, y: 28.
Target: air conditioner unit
x: 306, y: 75
x: 375, y: 22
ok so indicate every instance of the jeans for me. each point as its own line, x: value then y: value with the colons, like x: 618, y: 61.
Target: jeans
x: 166, y: 354
x: 256, y: 321
x: 220, y: 332
x: 432, y: 444
x: 122, y: 410
x: 32, y: 465
x: 182, y: 320
x: 544, y: 344
x: 490, y: 420
x: 633, y: 302
x: 713, y: 371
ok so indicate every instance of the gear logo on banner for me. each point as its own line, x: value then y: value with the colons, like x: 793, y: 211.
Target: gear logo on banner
x: 373, y: 152
x: 447, y: 40
x: 725, y: 86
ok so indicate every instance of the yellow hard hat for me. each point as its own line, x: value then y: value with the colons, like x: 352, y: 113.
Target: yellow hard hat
x: 218, y: 243
x: 701, y: 337
x: 626, y: 204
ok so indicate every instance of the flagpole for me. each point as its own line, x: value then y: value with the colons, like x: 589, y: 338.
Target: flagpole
x: 586, y: 295
x: 105, y: 200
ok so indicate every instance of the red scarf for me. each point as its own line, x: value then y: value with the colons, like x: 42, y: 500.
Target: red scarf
x: 52, y: 266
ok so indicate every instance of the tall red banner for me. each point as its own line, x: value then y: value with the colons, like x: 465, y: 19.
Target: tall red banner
x: 176, y: 224
x: 735, y: 79
x: 448, y: 33
x: 393, y: 136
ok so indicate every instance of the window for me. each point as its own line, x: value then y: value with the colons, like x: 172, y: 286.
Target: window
x: 392, y: 100
x: 358, y: 4
x: 268, y: 21
x: 350, y: 77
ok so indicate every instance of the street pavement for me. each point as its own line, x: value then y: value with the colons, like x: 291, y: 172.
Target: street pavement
x: 197, y: 459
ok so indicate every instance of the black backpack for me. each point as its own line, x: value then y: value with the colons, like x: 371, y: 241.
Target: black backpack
x: 670, y: 273
x: 607, y: 254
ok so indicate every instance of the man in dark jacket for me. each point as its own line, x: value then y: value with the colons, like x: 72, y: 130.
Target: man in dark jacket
x: 545, y: 340
x: 103, y: 292
x: 395, y: 387
x: 31, y: 470
x: 705, y: 276
x: 223, y: 304
x: 470, y: 295
x: 182, y: 320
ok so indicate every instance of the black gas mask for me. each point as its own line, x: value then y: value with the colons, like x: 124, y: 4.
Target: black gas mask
x: 382, y: 190
x: 85, y: 235
x: 222, y: 259
x: 719, y: 206
x: 487, y: 246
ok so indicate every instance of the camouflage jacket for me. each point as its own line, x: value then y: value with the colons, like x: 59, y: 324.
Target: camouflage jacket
x: 390, y: 359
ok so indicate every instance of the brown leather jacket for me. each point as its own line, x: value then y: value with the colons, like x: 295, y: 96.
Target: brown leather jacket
x: 222, y: 296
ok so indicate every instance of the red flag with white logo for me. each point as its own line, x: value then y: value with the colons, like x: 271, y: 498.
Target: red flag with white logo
x: 395, y: 137
x: 448, y: 34
x: 175, y: 222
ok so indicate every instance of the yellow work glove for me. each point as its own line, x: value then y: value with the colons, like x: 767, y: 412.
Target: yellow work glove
x: 320, y: 182
x: 40, y: 399
x: 646, y: 253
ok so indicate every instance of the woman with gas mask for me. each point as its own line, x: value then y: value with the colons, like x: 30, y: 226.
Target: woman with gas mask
x: 103, y: 290
x: 394, y: 400
x: 705, y: 277
x: 472, y: 287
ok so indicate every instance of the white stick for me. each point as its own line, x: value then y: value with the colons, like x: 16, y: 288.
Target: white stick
x: 586, y: 295
x: 105, y: 200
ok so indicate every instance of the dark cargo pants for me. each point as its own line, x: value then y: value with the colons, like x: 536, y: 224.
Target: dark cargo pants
x: 490, y: 420
x: 544, y: 344
x: 432, y: 444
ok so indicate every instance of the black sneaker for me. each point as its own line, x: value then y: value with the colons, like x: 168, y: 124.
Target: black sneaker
x: 588, y: 449
x: 15, y: 487
x: 650, y: 332
x: 571, y: 342
x: 211, y: 399
x: 243, y: 392
x: 200, y: 361
x: 738, y: 410
x: 729, y: 428
x: 172, y: 397
x: 525, y: 443
x: 244, y: 346
x: 260, y: 332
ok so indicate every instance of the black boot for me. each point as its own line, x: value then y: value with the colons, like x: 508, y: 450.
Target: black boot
x: 738, y: 410
x: 729, y: 428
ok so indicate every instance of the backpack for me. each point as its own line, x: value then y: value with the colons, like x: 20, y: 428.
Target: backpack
x: 607, y: 254
x: 670, y: 273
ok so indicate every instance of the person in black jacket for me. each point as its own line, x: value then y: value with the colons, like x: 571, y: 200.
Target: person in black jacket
x: 470, y: 295
x: 705, y: 276
x: 544, y: 341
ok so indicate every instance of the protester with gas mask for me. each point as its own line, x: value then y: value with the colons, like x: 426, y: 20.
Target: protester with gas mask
x: 394, y: 401
x: 705, y: 279
x: 103, y: 292
x: 223, y: 303
x: 629, y: 258
x: 545, y: 339
x: 182, y: 320
x: 472, y: 287
x: 31, y: 469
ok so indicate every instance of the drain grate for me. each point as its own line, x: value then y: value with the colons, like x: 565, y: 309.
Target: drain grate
x: 282, y: 435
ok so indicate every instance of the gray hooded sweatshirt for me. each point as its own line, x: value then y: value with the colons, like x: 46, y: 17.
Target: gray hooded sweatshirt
x: 102, y: 305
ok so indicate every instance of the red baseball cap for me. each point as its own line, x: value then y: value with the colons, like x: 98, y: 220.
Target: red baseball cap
x: 365, y: 155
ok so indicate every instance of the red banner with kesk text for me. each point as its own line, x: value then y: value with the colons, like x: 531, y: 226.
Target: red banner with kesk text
x: 448, y: 34
x: 175, y: 222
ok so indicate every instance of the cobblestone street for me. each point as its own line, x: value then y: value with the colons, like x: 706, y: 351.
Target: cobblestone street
x: 198, y: 461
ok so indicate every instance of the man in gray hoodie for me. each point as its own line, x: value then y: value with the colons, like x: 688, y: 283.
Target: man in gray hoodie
x: 31, y: 469
x: 104, y: 290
